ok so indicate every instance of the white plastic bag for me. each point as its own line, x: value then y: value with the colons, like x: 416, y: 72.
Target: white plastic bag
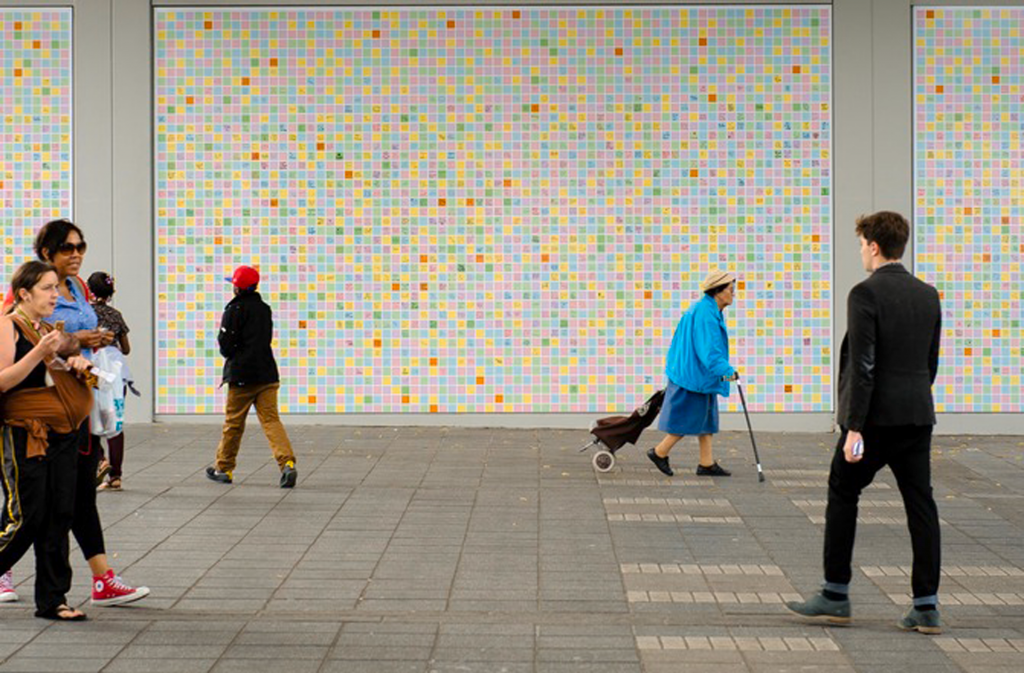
x: 107, y: 416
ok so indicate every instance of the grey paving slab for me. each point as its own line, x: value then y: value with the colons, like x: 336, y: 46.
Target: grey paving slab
x: 436, y: 549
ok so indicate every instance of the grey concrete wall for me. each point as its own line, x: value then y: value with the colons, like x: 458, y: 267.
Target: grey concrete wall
x: 113, y: 169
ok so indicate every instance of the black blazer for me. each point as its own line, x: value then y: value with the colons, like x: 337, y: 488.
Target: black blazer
x: 246, y: 330
x: 890, y: 353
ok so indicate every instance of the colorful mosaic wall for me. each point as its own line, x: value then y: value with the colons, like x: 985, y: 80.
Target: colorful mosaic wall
x: 968, y: 163
x: 35, y: 127
x: 502, y: 210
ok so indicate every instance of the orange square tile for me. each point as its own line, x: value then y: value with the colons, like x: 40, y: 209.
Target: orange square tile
x: 499, y: 399
x: 516, y: 14
x: 442, y: 202
x: 405, y: 399
x: 479, y: 380
x: 535, y: 108
x: 451, y: 24
x: 693, y: 172
x: 712, y: 98
x: 302, y: 324
x: 618, y: 51
x: 433, y: 362
x: 245, y: 81
x: 703, y: 41
x: 376, y: 34
x: 208, y: 25
x: 796, y: 70
x: 348, y: 175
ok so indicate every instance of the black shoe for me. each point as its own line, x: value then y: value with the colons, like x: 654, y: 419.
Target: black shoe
x: 660, y: 463
x: 216, y: 475
x: 715, y: 470
x: 289, y: 475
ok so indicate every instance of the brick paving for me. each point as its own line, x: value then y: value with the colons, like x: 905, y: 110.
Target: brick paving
x: 433, y: 549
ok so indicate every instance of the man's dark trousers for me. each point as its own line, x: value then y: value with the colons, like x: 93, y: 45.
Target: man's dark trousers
x: 906, y: 450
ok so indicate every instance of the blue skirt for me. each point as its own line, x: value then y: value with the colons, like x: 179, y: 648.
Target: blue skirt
x: 685, y: 412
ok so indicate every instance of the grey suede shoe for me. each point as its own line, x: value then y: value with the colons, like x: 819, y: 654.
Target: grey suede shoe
x: 821, y: 609
x: 922, y: 621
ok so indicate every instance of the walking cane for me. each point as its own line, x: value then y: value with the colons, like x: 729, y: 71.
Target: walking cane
x: 760, y: 473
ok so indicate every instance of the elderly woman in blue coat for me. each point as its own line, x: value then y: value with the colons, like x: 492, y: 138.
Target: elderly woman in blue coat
x: 698, y: 372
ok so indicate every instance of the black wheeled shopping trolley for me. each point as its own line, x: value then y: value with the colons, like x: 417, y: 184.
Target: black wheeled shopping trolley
x: 612, y: 433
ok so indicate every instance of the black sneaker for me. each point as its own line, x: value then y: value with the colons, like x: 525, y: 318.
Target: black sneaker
x: 216, y: 475
x: 715, y: 470
x: 289, y: 475
x: 660, y: 463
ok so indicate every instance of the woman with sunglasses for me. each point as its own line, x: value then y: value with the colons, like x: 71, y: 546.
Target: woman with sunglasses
x: 62, y: 244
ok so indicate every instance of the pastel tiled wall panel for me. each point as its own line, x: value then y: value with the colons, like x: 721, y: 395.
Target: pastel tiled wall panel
x: 969, y: 199
x: 500, y: 210
x: 35, y: 127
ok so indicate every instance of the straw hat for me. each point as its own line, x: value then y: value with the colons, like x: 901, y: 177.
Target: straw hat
x: 716, y: 278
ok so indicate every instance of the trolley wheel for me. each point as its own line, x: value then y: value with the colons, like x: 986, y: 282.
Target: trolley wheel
x: 603, y: 461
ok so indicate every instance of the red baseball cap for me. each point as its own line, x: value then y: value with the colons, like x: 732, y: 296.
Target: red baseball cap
x: 244, y: 277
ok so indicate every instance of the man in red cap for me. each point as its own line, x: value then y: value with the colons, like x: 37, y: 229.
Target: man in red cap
x: 246, y: 330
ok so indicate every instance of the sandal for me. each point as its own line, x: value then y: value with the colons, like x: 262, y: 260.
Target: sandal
x: 102, y: 470
x: 62, y: 613
x: 111, y: 484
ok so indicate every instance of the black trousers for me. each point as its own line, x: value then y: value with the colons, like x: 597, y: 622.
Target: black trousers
x: 39, y: 497
x: 907, y: 451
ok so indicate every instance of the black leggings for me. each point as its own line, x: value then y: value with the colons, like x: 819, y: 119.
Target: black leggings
x: 86, y: 526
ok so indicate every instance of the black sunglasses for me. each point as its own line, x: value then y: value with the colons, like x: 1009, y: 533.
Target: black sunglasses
x: 68, y: 248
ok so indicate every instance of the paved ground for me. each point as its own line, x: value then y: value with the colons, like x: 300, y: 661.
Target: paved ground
x: 425, y: 549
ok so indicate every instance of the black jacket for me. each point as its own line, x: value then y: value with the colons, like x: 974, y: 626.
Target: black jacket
x: 890, y: 354
x: 246, y: 330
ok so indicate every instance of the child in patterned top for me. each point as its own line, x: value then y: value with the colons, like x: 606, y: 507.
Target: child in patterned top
x: 101, y: 285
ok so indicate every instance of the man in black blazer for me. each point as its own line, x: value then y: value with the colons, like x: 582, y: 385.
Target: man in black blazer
x: 887, y: 365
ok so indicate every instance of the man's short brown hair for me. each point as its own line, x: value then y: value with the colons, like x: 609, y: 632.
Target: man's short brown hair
x: 888, y: 229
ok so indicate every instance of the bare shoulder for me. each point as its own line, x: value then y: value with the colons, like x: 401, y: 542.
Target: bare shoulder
x: 7, y: 329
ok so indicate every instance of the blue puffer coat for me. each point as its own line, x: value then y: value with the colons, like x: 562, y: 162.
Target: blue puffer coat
x: 699, y: 355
